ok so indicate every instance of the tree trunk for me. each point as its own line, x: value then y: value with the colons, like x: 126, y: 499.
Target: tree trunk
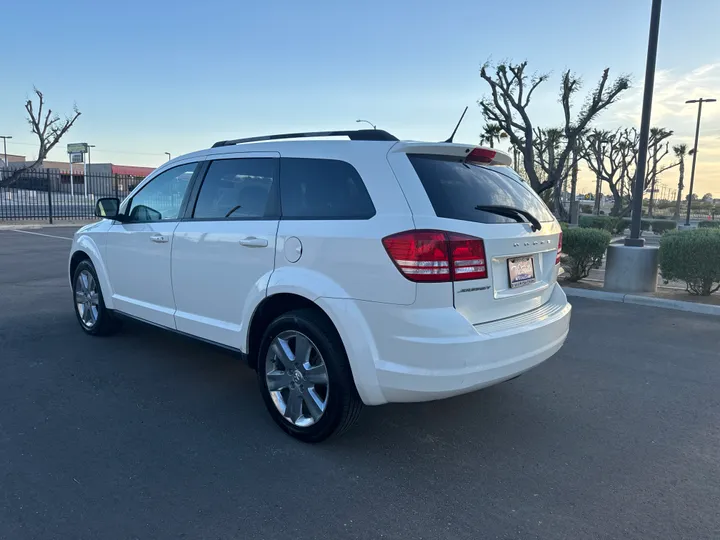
x: 17, y: 173
x: 573, y: 190
x: 530, y: 171
x: 676, y: 216
x: 560, y: 211
x: 617, y: 204
x: 598, y: 191
x: 652, y: 184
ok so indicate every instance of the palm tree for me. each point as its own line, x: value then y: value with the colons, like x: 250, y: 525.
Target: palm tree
x: 657, y: 135
x: 680, y: 151
x: 490, y: 134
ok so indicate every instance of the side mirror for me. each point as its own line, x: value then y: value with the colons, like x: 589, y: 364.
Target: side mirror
x: 107, y: 208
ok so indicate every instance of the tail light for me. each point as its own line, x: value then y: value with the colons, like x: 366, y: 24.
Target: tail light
x: 559, y: 250
x: 437, y: 256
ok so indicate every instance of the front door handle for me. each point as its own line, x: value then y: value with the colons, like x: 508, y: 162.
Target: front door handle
x: 252, y: 241
x: 159, y: 238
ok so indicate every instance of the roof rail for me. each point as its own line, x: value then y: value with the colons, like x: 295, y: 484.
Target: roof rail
x: 353, y: 135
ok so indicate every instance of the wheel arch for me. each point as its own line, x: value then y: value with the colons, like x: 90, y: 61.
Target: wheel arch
x: 268, y: 310
x: 75, y: 260
x: 84, y: 248
x: 346, y: 319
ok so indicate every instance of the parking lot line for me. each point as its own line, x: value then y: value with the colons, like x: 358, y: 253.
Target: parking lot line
x: 41, y: 234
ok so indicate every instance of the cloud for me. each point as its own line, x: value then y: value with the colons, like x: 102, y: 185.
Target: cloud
x: 672, y: 88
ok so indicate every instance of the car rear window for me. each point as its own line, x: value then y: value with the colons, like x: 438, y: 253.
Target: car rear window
x: 322, y: 189
x: 455, y: 188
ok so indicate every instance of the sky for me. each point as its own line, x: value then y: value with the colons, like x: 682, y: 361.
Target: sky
x: 153, y: 77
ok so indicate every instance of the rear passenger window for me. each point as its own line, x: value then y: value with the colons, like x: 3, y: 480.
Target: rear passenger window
x: 322, y: 189
x: 236, y: 189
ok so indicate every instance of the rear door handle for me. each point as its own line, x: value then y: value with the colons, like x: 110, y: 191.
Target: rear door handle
x: 252, y: 241
x: 159, y: 238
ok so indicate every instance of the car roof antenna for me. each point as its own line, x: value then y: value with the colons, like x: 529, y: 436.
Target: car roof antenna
x: 456, y: 127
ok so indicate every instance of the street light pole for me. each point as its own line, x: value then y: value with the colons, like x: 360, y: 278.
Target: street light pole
x: 639, y: 188
x: 168, y: 155
x: 5, y: 138
x: 367, y: 122
x: 694, y: 152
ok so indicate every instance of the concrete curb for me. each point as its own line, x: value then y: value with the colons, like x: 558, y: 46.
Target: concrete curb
x: 9, y: 226
x: 666, y: 303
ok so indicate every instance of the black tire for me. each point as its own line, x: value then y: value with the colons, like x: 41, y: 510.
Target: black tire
x: 343, y: 402
x: 106, y: 322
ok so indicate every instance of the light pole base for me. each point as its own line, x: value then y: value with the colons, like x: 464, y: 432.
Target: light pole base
x: 631, y: 269
x: 635, y: 242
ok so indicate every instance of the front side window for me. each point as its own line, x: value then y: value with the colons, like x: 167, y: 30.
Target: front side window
x: 161, y: 199
x: 322, y: 189
x: 236, y: 188
x: 455, y: 188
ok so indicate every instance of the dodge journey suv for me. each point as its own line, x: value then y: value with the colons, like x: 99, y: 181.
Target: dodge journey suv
x: 345, y: 272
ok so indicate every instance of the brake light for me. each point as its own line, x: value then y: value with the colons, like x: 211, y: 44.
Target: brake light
x: 559, y: 250
x: 481, y: 155
x: 437, y: 256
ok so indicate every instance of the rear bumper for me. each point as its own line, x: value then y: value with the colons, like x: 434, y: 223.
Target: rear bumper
x: 422, y: 356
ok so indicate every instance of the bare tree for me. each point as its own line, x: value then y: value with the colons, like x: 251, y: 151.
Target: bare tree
x: 49, y: 129
x: 605, y: 157
x: 511, y: 90
x: 548, y: 145
x: 612, y: 156
x: 627, y: 147
x: 490, y: 134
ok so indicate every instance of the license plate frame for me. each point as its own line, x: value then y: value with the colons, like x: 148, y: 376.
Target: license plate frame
x: 518, y: 271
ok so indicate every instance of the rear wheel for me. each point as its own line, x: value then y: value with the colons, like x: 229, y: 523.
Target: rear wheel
x: 305, y: 378
x: 94, y: 318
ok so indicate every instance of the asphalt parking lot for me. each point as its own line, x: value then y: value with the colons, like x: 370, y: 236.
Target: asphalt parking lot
x: 150, y: 435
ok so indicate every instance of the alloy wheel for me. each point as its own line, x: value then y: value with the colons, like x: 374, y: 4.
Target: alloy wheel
x: 87, y: 298
x: 297, y: 378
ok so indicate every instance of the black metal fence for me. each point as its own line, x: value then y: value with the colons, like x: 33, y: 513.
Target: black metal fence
x: 53, y: 195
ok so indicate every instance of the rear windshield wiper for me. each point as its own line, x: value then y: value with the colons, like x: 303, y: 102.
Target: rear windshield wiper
x: 512, y: 213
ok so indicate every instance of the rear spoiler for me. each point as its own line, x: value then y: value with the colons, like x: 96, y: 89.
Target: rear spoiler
x: 471, y: 153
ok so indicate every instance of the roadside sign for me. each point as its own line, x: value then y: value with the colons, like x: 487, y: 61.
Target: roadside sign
x: 74, y: 148
x: 77, y: 157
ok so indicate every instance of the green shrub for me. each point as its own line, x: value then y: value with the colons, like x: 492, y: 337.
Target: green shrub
x: 591, y: 222
x: 645, y: 224
x: 583, y: 249
x: 692, y: 256
x: 607, y: 223
x: 586, y: 209
x: 621, y: 224
x: 661, y: 226
x: 709, y: 225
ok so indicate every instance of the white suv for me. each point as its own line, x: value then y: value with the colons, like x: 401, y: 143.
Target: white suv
x: 345, y: 272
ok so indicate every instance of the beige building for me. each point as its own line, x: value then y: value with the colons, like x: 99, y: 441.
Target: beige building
x: 12, y: 158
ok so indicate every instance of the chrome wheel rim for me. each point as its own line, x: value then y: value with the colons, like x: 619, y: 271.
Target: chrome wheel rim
x: 87, y: 299
x: 297, y: 378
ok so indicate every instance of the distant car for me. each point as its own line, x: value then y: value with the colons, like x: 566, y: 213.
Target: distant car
x: 346, y: 273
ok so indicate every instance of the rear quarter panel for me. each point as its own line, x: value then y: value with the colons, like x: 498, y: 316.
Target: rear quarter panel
x: 346, y: 258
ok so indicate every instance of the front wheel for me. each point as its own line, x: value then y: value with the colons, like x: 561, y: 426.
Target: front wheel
x: 94, y: 318
x: 305, y: 377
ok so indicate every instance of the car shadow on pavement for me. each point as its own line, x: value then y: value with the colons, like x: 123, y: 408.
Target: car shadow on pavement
x: 214, y: 380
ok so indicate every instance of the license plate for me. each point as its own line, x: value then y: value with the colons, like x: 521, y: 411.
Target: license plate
x: 522, y: 271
